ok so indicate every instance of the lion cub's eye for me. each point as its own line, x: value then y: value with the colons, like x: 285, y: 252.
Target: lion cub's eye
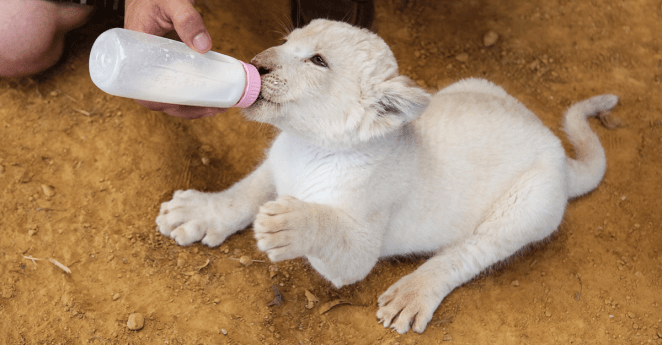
x: 318, y: 60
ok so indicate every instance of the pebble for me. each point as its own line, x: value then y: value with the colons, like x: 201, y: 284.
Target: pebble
x: 490, y: 38
x: 515, y: 283
x: 48, y: 190
x: 116, y: 297
x: 224, y: 248
x: 224, y: 331
x: 548, y: 314
x: 631, y: 315
x: 311, y: 299
x: 447, y: 337
x: 273, y: 270
x: 136, y: 322
x: 32, y: 232
x: 464, y: 57
x: 246, y: 260
x: 205, y: 161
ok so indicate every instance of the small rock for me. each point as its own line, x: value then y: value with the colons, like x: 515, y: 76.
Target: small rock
x: 246, y: 260
x: 548, y: 314
x: 48, y: 190
x: 116, y: 297
x: 136, y: 322
x: 631, y: 315
x: 53, y: 93
x: 181, y: 262
x: 205, y: 148
x: 273, y: 270
x: 225, y: 249
x: 224, y: 331
x: 217, y: 300
x: 447, y: 337
x: 205, y: 161
x: 32, y: 232
x: 311, y: 299
x: 490, y: 38
x: 278, y: 298
x: 464, y: 57
x: 515, y: 283
x: 534, y: 65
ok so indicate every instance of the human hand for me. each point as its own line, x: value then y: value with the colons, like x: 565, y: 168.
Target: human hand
x: 158, y: 17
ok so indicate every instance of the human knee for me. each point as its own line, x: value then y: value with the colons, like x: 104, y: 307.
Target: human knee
x: 32, y: 34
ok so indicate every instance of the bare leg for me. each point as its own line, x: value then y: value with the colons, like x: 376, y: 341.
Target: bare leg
x: 32, y: 34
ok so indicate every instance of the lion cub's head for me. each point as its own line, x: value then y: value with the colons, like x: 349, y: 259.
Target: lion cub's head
x: 335, y: 85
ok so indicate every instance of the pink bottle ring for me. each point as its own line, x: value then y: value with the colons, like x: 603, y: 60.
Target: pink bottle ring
x: 252, y: 89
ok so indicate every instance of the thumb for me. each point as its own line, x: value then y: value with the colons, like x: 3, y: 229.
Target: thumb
x: 189, y: 25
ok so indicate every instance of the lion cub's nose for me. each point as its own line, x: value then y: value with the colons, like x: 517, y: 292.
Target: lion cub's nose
x: 263, y: 62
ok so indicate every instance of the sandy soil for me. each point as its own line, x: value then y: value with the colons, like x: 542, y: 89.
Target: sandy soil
x: 82, y: 175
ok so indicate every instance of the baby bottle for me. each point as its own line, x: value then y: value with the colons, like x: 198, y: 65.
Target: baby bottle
x: 141, y: 66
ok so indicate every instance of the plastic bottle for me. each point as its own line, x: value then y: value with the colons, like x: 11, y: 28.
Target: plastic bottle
x: 141, y: 66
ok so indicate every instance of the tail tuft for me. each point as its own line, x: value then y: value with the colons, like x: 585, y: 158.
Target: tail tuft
x: 587, y: 169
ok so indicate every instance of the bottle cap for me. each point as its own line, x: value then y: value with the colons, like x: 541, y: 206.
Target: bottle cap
x: 252, y: 89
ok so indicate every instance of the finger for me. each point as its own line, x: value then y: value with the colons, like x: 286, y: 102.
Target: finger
x: 147, y: 17
x: 189, y: 25
x: 185, y: 111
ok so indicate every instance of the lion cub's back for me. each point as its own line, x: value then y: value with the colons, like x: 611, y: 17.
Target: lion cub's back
x: 475, y: 117
x: 474, y: 142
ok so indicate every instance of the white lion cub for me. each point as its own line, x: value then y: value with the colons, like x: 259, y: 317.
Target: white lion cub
x: 369, y: 166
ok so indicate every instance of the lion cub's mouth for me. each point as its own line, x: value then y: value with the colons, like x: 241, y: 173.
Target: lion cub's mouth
x: 261, y: 98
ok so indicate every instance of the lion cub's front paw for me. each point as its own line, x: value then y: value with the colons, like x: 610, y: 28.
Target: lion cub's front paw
x: 282, y: 228
x: 409, y: 303
x: 190, y: 216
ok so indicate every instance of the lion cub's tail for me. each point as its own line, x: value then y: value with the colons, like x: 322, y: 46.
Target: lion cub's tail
x: 587, y: 170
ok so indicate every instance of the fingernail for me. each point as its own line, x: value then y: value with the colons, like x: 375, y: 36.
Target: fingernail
x: 202, y: 42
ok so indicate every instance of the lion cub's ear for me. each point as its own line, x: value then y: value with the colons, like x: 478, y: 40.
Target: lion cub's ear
x: 398, y: 101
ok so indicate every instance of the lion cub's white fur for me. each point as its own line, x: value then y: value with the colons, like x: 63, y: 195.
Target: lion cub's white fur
x: 368, y: 165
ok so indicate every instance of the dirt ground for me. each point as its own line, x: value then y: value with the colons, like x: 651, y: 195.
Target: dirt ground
x: 82, y: 175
